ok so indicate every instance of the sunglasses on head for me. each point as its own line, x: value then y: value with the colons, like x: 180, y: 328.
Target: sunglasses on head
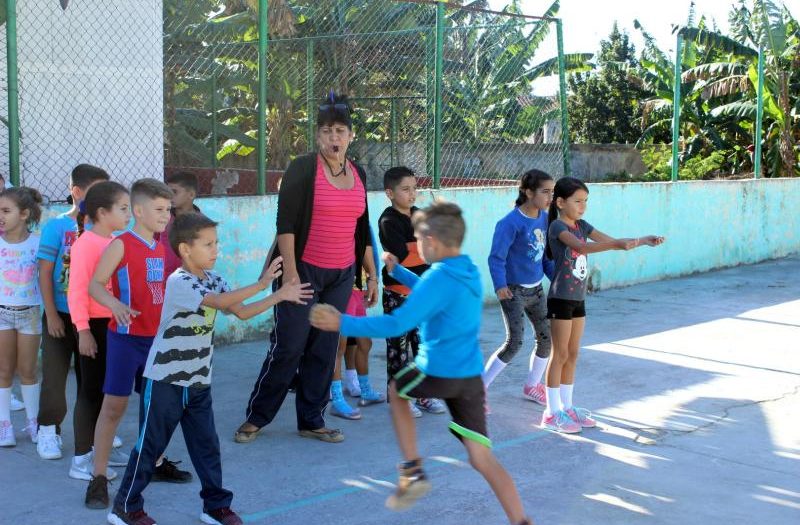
x: 335, y: 107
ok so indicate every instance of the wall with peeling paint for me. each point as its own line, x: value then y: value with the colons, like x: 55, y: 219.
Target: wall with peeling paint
x: 708, y: 224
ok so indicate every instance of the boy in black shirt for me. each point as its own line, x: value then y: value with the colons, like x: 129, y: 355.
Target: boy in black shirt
x: 397, y: 237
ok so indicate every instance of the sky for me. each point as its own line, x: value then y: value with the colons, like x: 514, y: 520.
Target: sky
x: 587, y: 22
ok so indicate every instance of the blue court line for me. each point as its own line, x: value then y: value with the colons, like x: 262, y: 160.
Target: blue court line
x: 339, y: 493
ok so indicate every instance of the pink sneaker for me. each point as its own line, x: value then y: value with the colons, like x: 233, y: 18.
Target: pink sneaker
x: 32, y: 429
x: 535, y: 394
x: 560, y: 422
x: 582, y: 417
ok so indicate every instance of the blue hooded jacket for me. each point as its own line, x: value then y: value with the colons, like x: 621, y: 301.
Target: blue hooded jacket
x: 446, y: 303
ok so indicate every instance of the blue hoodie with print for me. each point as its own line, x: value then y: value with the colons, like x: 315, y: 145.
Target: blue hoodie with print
x: 446, y: 303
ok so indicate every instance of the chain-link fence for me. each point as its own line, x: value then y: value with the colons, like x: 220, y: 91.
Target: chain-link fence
x: 4, y: 141
x: 463, y: 96
x: 89, y: 83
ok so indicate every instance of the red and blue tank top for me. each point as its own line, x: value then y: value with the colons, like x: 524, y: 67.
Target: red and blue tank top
x: 138, y: 282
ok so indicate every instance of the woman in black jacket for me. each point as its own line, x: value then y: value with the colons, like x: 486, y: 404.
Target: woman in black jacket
x: 323, y: 234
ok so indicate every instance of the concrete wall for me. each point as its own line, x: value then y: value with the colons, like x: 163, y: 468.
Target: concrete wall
x: 708, y: 224
x: 590, y: 162
x: 593, y: 162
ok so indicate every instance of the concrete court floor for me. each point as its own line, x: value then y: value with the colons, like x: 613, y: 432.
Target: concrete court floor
x: 694, y: 381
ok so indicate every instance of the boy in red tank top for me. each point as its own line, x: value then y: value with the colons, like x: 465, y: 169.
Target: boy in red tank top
x: 134, y: 263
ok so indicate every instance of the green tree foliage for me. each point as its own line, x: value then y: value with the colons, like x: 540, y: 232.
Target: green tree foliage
x: 605, y: 105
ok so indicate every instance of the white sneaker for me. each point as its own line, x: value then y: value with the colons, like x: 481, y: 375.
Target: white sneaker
x: 431, y: 405
x: 7, y: 438
x: 117, y: 459
x: 415, y: 412
x: 16, y: 404
x: 32, y: 429
x: 48, y: 442
x: 117, y: 442
x: 351, y: 388
x: 82, y: 467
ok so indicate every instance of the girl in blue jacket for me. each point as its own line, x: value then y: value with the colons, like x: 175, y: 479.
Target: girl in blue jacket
x: 518, y: 265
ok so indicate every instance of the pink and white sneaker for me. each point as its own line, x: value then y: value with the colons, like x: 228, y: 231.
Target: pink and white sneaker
x: 535, y: 393
x: 560, y: 422
x: 582, y: 417
x: 32, y: 429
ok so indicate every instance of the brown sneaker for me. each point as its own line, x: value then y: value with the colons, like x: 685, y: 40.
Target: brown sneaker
x: 119, y: 517
x: 97, y: 493
x: 412, y: 485
x: 223, y: 516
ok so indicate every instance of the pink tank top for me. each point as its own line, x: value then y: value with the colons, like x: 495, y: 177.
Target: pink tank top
x: 331, y: 240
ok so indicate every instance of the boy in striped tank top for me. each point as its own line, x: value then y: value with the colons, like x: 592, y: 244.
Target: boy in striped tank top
x: 134, y: 263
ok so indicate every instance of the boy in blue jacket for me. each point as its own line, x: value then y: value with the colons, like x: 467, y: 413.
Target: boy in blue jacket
x: 446, y: 304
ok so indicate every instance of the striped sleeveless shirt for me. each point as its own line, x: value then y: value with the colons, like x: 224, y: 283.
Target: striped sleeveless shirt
x: 331, y: 238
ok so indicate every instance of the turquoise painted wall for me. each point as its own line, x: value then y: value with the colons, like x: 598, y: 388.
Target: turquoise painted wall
x: 708, y: 224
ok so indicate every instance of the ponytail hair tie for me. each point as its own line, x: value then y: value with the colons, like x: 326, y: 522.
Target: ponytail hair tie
x: 82, y: 207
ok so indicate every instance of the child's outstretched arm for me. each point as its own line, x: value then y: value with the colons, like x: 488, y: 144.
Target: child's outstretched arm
x: 296, y: 292
x: 426, y: 300
x: 102, y: 273
x: 232, y: 302
x: 398, y: 271
x: 604, y: 244
x: 647, y: 240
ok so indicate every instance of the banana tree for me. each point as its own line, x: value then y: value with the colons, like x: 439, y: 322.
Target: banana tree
x: 211, y: 80
x: 489, y: 74
x: 656, y: 74
x: 730, y: 85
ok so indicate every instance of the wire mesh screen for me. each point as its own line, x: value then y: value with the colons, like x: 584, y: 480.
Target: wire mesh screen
x: 383, y: 55
x: 380, y: 60
x: 144, y: 87
x: 211, y: 86
x: 89, y: 90
x: 495, y: 125
x: 4, y: 163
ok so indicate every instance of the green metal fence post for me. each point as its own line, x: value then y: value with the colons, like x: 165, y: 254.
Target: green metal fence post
x: 562, y: 99
x: 759, y: 114
x: 430, y: 102
x: 437, y: 124
x: 310, y: 94
x: 263, y: 36
x: 214, y: 136
x: 13, y: 92
x: 676, y: 107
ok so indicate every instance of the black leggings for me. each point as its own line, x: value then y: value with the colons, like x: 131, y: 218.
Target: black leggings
x: 90, y: 392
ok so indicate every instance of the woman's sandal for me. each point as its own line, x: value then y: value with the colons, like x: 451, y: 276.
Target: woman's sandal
x: 245, y: 436
x: 328, y: 435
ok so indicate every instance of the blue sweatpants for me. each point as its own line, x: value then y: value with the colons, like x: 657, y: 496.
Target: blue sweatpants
x: 163, y: 407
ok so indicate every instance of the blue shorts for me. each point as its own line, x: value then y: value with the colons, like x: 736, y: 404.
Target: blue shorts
x: 126, y: 356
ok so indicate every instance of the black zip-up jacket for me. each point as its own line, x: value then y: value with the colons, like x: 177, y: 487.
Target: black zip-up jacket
x: 296, y: 202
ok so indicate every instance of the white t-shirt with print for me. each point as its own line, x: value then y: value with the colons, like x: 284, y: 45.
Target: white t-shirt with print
x: 183, y: 347
x: 19, y: 281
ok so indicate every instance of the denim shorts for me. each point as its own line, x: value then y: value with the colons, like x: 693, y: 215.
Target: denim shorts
x: 24, y: 319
